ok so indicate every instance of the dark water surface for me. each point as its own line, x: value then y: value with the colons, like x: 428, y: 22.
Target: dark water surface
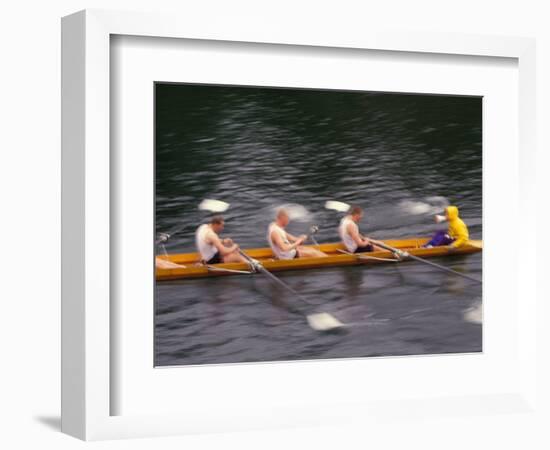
x: 402, y: 157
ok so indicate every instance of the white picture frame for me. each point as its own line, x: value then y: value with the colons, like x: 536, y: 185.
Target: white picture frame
x: 87, y: 385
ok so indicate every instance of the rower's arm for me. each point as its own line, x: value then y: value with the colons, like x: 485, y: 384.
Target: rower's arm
x: 353, y: 231
x: 291, y: 237
x: 216, y: 242
x: 278, y: 241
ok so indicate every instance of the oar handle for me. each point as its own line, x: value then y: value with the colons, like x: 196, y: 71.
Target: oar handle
x: 405, y: 254
x: 163, y: 237
x: 312, y: 231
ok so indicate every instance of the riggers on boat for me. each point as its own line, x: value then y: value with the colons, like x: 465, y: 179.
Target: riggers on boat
x: 191, y: 267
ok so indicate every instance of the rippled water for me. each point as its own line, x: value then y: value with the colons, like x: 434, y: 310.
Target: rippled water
x: 402, y: 157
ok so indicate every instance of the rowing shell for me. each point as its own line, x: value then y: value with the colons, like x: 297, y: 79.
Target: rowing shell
x: 174, y: 269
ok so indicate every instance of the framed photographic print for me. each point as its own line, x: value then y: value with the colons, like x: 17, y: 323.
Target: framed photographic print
x: 250, y: 214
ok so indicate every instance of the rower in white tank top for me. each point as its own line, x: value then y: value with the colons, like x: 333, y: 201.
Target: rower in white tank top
x: 280, y: 254
x: 205, y: 248
x: 347, y: 240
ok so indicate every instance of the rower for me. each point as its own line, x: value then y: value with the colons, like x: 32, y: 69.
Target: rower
x: 212, y: 249
x: 455, y: 236
x: 349, y: 233
x: 286, y: 246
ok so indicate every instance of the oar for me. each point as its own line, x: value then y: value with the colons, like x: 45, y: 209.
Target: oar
x: 364, y: 256
x: 404, y: 254
x: 318, y: 321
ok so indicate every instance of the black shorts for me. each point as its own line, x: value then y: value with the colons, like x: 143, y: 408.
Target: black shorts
x: 366, y: 248
x: 216, y: 259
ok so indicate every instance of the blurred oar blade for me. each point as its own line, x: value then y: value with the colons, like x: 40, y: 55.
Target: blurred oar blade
x: 216, y: 206
x: 297, y: 212
x: 323, y: 322
x: 337, y: 206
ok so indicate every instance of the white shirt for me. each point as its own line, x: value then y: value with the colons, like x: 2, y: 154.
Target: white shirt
x: 347, y: 240
x: 205, y: 248
x: 279, y: 253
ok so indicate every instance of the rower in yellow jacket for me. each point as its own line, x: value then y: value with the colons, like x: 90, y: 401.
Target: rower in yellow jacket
x: 457, y: 234
x: 457, y: 228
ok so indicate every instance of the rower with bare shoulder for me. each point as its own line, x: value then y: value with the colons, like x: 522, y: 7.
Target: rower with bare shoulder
x: 212, y: 249
x: 283, y: 244
x: 349, y: 233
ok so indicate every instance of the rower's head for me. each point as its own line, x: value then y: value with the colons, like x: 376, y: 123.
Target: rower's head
x: 282, y: 217
x: 451, y: 212
x: 356, y: 213
x: 217, y: 223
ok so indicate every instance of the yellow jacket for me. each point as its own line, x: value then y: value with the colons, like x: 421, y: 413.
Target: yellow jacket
x: 457, y: 228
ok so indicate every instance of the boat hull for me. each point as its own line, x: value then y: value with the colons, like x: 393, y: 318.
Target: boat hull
x: 194, y: 269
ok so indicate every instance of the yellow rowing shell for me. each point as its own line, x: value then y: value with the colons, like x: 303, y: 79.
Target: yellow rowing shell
x: 187, y: 265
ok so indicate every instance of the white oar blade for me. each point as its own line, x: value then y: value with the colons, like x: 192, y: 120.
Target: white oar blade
x: 337, y: 206
x: 296, y: 212
x: 216, y: 206
x: 323, y: 322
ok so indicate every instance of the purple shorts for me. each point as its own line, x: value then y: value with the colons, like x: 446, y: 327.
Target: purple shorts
x: 440, y: 238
